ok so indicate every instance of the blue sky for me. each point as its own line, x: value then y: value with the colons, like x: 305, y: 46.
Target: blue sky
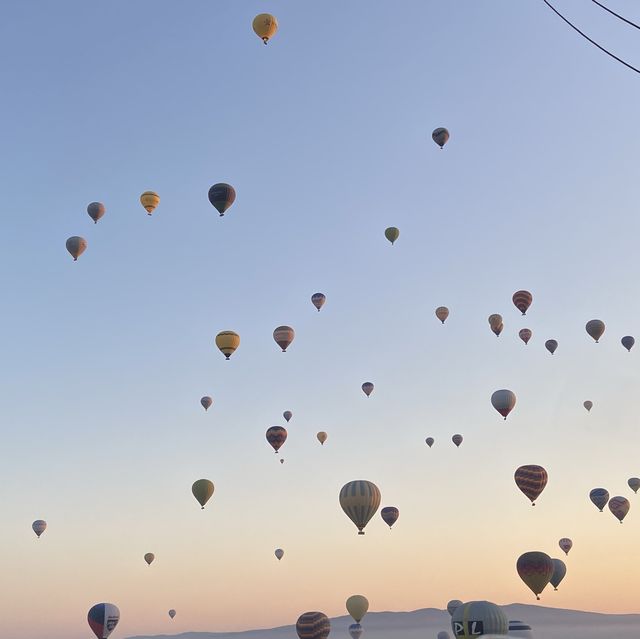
x: 325, y: 134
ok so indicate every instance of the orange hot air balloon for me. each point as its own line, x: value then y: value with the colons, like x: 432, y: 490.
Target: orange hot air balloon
x: 522, y: 301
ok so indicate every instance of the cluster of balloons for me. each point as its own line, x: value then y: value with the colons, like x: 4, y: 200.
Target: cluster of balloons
x: 619, y: 505
x: 537, y: 570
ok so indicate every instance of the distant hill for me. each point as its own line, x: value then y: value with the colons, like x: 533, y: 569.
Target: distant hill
x: 546, y: 623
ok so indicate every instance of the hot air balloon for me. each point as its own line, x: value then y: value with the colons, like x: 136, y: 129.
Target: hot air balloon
x: 443, y: 634
x: 172, y: 613
x: 522, y: 301
x: 566, y: 545
x: 367, y: 388
x: 202, y: 491
x: 322, y: 437
x: 531, y: 480
x: 39, y: 526
x: 457, y: 440
x: 452, y: 605
x: 96, y: 210
x: 628, y: 342
x: 440, y: 136
x: 103, y: 618
x: 360, y: 500
x: 536, y: 570
x: 478, y: 618
x: 429, y: 441
x: 551, y: 345
x: 279, y: 553
x: 76, y: 246
x: 149, y: 201
x: 595, y: 328
x: 496, y: 324
x: 276, y: 436
x: 222, y: 196
x: 313, y: 625
x: 287, y: 415
x: 390, y: 515
x: 392, y: 234
x: 227, y: 342
x: 520, y: 629
x: 525, y: 335
x: 588, y: 404
x: 206, y: 402
x: 442, y: 312
x: 283, y: 335
x: 559, y: 571
x: 357, y: 606
x: 599, y: 497
x: 355, y: 630
x: 619, y: 506
x: 149, y: 557
x: 318, y: 300
x: 503, y: 401
x: 634, y: 483
x: 265, y: 26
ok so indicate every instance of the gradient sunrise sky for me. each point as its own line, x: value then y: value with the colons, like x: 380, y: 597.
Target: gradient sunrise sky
x: 325, y: 134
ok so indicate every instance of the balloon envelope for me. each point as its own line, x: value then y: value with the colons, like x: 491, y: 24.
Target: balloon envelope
x: 265, y: 26
x: 440, y: 136
x: 202, y: 490
x: 535, y: 569
x: 96, y: 210
x: 103, y: 618
x: 172, y: 613
x: 76, y: 246
x: 429, y: 441
x: 149, y: 201
x: 276, y: 436
x: 390, y: 515
x: 227, y: 342
x: 496, y: 324
x: 531, y: 480
x: 551, y: 345
x: 367, y: 388
x: 476, y: 618
x: 599, y: 497
x: 39, y: 526
x: 392, y: 234
x: 619, y: 506
x: 283, y: 336
x: 149, y: 557
x: 634, y: 484
x: 206, y: 402
x: 360, y: 500
x: 628, y: 342
x: 318, y: 300
x: 322, y: 437
x: 559, y: 571
x: 457, y: 439
x: 452, y: 605
x: 442, y: 312
x: 525, y: 335
x: 588, y: 404
x: 357, y: 606
x: 522, y: 301
x: 595, y: 328
x: 566, y: 544
x: 503, y: 401
x: 313, y: 625
x: 222, y: 196
x: 279, y: 553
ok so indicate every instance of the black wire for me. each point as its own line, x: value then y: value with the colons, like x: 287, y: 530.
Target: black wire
x: 617, y: 15
x: 584, y: 35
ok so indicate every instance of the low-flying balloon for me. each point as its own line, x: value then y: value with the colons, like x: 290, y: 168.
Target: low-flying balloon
x: 206, y: 402
x: 287, y: 415
x: 355, y: 631
x: 452, y: 605
x: 628, y: 341
x: 457, y: 439
x: 149, y: 557
x: 283, y: 336
x: 536, y: 570
x: 279, y: 553
x: 367, y: 388
x: 634, y: 483
x: 76, y: 246
x: 566, y: 545
x: 531, y: 480
x: 619, y: 506
x: 440, y: 136
x: 559, y: 571
x: 39, y: 526
x: 588, y: 404
x: 595, y: 329
x: 149, y: 201
x: 322, y: 437
x: 429, y: 441
x: 276, y: 436
x: 318, y: 300
x: 202, y: 490
x: 265, y: 26
x: 222, y: 196
x: 360, y: 500
x: 475, y: 618
x: 519, y: 629
x: 390, y: 515
x: 103, y: 618
x: 357, y: 606
x: 525, y: 335
x: 172, y: 613
x: 313, y: 625
x: 392, y: 234
x: 227, y: 342
x: 503, y: 401
x: 442, y: 312
x: 522, y: 301
x: 551, y: 345
x: 96, y: 210
x: 599, y: 497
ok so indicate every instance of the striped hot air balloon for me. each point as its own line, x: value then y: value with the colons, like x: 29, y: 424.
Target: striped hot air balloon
x: 360, y: 500
x: 522, y: 301
x: 599, y: 497
x: 535, y: 569
x: 503, y: 401
x: 496, y: 324
x: 227, y: 342
x: 619, y: 506
x: 525, y: 335
x: 283, y: 336
x: 276, y: 436
x: 531, y: 480
x: 390, y: 515
x: 313, y: 625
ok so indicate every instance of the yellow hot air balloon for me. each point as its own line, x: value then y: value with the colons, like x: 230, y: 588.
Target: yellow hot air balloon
x: 149, y: 201
x: 357, y: 606
x: 265, y: 26
x: 227, y: 342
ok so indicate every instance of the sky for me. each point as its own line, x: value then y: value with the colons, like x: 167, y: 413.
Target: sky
x: 326, y: 135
